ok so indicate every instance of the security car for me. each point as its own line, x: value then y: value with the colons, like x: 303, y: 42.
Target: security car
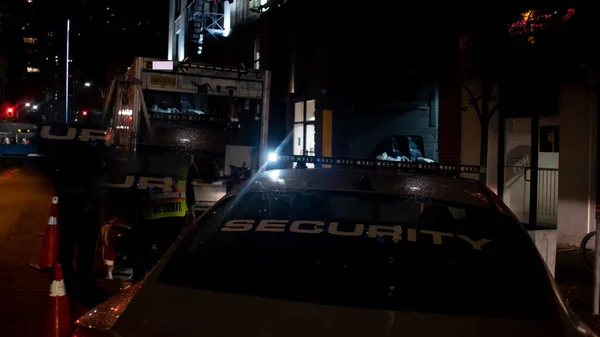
x: 413, y: 250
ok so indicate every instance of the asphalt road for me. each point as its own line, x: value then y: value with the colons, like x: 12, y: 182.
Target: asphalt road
x: 25, y: 197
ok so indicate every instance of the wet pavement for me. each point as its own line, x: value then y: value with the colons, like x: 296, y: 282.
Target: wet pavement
x: 25, y: 198
x: 576, y: 285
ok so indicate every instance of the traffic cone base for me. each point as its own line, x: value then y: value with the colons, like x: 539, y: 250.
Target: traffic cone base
x: 58, y: 322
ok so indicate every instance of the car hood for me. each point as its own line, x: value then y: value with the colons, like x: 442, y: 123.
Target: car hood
x: 160, y: 310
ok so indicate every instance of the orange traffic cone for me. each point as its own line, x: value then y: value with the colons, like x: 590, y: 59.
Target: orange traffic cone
x: 58, y: 322
x: 49, y: 254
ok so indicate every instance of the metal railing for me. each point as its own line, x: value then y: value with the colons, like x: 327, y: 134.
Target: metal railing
x: 191, y: 10
x: 210, y: 20
x: 214, y: 21
x: 547, y: 190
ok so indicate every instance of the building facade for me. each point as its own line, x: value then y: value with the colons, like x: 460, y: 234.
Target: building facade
x: 5, y: 14
x: 198, y: 30
x: 34, y: 60
x: 329, y: 96
x: 542, y: 147
x: 103, y: 40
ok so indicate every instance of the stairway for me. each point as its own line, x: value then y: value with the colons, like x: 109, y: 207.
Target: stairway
x: 196, y: 22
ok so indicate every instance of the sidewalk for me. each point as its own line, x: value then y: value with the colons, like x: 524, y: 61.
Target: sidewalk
x: 576, y: 285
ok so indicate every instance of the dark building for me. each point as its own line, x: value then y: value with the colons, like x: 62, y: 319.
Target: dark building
x: 104, y: 37
x: 340, y: 85
x: 5, y: 15
x: 29, y: 34
x: 198, y: 29
x: 107, y: 35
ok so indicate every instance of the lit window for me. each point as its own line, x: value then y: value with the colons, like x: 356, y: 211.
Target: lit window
x: 304, y: 129
x: 33, y: 70
x: 29, y: 40
x: 30, y: 1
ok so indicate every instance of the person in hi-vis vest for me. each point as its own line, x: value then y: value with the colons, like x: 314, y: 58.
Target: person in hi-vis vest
x: 164, y: 214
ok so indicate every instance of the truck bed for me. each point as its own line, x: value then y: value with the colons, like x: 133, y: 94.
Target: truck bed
x: 208, y: 194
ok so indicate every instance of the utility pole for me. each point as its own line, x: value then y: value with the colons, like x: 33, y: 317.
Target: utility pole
x: 67, y: 73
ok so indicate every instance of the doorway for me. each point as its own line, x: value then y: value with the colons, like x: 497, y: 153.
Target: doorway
x: 304, y: 129
x: 527, y: 170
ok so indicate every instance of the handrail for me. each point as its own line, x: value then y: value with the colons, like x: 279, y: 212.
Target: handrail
x: 547, y: 189
x: 191, y: 13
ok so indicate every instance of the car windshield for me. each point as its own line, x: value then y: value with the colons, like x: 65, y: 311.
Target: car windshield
x: 366, y: 250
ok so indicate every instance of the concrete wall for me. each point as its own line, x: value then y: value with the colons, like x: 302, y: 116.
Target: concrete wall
x: 576, y: 162
x: 170, y: 51
x: 177, y: 26
x: 450, y: 120
x: 577, y: 199
x: 545, y: 242
x: 471, y: 140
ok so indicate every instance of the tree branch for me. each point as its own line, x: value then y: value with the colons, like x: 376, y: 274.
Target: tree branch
x: 472, y: 99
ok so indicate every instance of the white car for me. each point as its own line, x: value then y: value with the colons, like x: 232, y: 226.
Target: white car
x: 346, y: 252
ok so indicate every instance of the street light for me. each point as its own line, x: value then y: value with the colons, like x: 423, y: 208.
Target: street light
x: 87, y: 84
x: 28, y: 104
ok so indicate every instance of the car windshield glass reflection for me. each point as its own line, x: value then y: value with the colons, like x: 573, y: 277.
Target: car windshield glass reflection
x: 365, y: 250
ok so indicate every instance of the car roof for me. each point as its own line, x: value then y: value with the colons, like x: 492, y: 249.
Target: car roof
x: 417, y: 184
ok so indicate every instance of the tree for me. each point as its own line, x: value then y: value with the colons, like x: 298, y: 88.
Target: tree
x: 485, y: 102
x: 482, y: 61
x: 493, y: 48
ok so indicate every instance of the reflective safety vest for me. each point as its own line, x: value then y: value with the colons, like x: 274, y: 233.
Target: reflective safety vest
x: 166, y: 204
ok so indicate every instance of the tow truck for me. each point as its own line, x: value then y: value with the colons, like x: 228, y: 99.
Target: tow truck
x: 160, y: 108
x: 158, y: 114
